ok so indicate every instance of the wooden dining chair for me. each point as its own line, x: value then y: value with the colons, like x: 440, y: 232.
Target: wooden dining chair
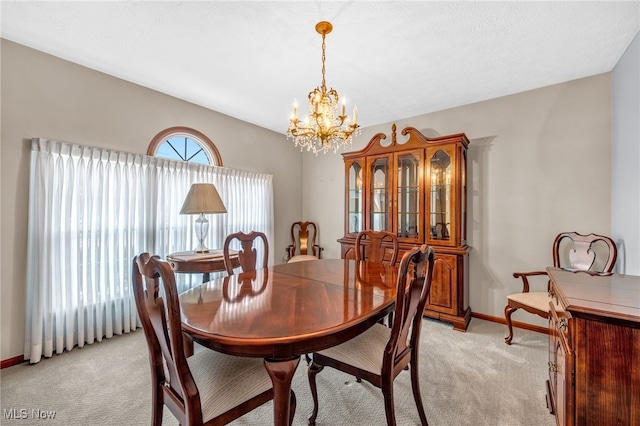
x: 377, y: 246
x: 381, y: 353
x: 209, y: 387
x: 303, y: 243
x: 595, y: 253
x: 247, y: 255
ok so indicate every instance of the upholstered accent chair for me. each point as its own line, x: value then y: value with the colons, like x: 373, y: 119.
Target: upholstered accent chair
x: 593, y: 253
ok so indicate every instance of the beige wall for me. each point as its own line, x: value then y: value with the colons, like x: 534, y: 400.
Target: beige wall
x: 43, y: 96
x: 539, y: 164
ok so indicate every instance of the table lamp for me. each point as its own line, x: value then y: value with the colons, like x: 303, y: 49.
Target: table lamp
x: 203, y: 198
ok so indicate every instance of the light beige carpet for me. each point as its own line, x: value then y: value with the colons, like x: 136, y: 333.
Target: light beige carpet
x: 470, y: 378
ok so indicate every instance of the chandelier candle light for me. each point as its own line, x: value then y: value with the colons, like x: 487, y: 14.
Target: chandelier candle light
x: 324, y: 128
x: 203, y: 198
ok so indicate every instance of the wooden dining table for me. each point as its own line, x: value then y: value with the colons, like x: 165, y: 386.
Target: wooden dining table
x: 286, y: 311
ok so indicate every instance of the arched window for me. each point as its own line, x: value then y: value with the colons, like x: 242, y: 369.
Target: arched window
x: 186, y: 144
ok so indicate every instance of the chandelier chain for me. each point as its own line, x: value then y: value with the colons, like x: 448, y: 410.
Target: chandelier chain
x: 324, y: 57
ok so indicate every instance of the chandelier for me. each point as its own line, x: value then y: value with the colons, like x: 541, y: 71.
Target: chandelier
x: 324, y: 128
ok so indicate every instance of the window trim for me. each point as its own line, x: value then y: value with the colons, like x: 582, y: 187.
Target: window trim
x: 207, y: 144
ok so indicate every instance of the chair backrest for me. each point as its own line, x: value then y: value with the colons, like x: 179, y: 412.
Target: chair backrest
x: 376, y: 246
x: 414, y: 282
x: 303, y: 239
x: 163, y: 331
x: 247, y: 255
x: 591, y: 252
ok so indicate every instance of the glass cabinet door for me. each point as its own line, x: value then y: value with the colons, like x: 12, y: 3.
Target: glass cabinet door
x: 463, y: 200
x: 379, y: 205
x: 354, y: 194
x: 440, y: 195
x: 409, y: 199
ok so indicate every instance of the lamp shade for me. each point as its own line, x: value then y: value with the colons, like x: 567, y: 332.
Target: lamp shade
x: 203, y: 198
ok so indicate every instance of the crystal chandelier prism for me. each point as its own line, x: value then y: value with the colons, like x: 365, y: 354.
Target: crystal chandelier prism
x: 325, y: 128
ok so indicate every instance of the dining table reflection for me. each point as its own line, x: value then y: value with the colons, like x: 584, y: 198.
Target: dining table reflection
x: 288, y: 310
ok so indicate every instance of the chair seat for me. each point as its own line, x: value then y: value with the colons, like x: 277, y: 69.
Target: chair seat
x: 538, y: 300
x: 302, y: 258
x: 364, y: 351
x: 226, y: 381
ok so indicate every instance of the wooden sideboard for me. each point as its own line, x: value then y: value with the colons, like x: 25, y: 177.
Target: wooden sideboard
x: 594, y: 348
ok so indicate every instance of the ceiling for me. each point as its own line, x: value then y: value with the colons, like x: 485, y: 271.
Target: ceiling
x: 394, y: 59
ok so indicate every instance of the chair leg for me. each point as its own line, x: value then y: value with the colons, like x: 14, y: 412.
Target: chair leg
x: 158, y: 405
x: 292, y: 406
x: 508, y: 310
x: 312, y: 371
x: 415, y: 386
x: 187, y: 344
x: 389, y: 409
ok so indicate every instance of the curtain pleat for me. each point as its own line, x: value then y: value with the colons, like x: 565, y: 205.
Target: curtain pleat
x: 91, y: 210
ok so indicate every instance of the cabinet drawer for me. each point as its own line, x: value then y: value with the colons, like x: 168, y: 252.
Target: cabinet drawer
x: 560, y: 323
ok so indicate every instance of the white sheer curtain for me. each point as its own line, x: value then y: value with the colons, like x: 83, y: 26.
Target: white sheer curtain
x: 91, y: 210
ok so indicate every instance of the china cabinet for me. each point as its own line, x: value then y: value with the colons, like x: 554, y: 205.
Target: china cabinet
x: 416, y: 189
